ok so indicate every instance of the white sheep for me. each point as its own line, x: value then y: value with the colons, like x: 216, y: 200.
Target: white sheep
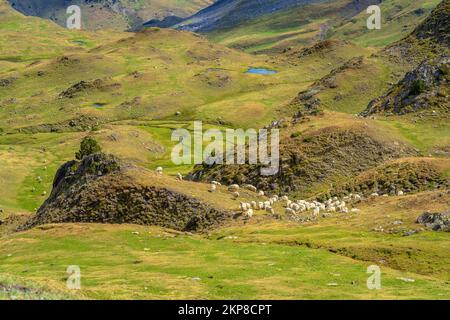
x: 261, y: 193
x: 400, y: 193
x: 235, y: 195
x: 249, y: 213
x: 179, y: 176
x: 284, y: 198
x: 159, y: 170
x: 270, y: 210
x: 216, y: 183
x: 212, y: 188
x: 289, y: 211
x: 250, y: 187
x: 233, y: 188
x: 254, y: 205
x: 316, y: 211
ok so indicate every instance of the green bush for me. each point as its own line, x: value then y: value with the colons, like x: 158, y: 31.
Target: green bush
x: 88, y: 146
x: 418, y: 87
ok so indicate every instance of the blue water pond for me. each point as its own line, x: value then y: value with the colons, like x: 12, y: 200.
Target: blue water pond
x: 262, y: 71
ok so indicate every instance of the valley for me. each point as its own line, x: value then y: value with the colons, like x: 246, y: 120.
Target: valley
x: 359, y: 111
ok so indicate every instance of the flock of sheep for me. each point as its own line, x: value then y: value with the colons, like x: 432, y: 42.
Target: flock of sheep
x: 292, y: 207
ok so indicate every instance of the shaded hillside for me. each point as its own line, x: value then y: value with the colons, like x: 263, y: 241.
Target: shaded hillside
x: 102, y: 189
x: 429, y: 40
x: 115, y: 14
x: 228, y: 13
x: 396, y: 177
x: 271, y: 27
x: 311, y: 161
x: 424, y: 88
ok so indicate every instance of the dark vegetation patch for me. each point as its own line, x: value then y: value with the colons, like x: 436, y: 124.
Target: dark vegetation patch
x: 310, y: 160
x: 6, y: 82
x: 86, y: 86
x: 405, y: 176
x: 82, y: 123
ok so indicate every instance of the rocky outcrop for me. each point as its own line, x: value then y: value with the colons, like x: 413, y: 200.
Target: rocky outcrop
x: 436, y: 26
x: 424, y: 88
x: 435, y: 221
x: 102, y: 189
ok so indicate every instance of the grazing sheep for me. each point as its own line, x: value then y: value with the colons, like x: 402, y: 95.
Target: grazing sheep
x: 289, y: 211
x: 267, y: 204
x: 261, y: 193
x: 216, y: 183
x: 254, y: 205
x: 250, y: 187
x: 212, y: 188
x: 357, y: 197
x: 270, y: 210
x: 331, y: 209
x: 316, y: 211
x: 284, y: 198
x: 400, y: 193
x: 179, y: 176
x: 261, y: 205
x: 233, y: 188
x: 159, y: 170
x: 374, y: 194
x: 235, y: 195
x: 355, y: 210
x: 243, y: 206
x: 249, y: 213
x: 288, y: 203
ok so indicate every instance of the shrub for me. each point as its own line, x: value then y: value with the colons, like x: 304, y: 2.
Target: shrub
x: 88, y: 146
x: 418, y: 87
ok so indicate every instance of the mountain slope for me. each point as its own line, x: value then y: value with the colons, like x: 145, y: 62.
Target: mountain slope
x: 116, y: 14
x: 292, y: 23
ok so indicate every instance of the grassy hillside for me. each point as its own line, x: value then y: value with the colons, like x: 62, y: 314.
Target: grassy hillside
x: 336, y: 19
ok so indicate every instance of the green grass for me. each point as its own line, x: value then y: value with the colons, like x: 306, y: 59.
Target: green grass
x: 398, y: 20
x: 157, y: 264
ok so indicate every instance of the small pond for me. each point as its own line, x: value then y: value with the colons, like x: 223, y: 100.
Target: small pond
x: 262, y: 71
